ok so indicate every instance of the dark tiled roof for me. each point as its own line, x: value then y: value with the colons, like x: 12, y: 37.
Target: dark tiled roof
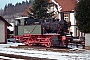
x: 1, y: 18
x: 50, y: 1
x: 25, y: 13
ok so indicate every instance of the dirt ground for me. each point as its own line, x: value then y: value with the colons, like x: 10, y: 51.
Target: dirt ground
x: 25, y: 57
x: 40, y: 48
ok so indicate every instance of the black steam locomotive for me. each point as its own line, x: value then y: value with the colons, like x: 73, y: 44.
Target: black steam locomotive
x: 49, y: 33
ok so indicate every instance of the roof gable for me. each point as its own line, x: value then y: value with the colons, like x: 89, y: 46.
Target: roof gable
x: 67, y: 5
x: 25, y: 13
x: 2, y: 19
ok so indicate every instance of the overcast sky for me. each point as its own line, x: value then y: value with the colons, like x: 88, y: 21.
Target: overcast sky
x: 4, y: 2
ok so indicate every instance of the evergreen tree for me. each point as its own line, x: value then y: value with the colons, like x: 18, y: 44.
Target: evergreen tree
x: 40, y: 9
x: 5, y: 7
x: 11, y: 9
x: 83, y: 16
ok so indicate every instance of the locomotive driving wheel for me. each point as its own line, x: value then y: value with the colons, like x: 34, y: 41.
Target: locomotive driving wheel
x: 28, y: 43
x: 48, y: 44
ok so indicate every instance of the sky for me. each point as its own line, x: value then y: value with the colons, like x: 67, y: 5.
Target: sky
x: 4, y: 2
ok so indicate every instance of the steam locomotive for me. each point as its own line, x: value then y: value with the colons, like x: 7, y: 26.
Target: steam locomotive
x: 48, y: 33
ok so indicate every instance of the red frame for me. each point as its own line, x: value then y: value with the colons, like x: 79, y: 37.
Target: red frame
x: 41, y: 39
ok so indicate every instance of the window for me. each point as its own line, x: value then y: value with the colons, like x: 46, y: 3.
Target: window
x: 67, y: 16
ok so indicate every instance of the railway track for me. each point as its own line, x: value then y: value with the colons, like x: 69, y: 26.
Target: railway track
x: 18, y: 57
x: 10, y: 56
x: 43, y: 48
x: 17, y: 52
x: 13, y: 55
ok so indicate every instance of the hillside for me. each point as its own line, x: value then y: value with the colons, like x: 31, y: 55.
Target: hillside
x: 12, y: 11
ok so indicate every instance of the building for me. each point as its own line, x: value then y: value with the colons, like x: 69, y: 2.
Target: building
x: 65, y: 11
x: 3, y: 30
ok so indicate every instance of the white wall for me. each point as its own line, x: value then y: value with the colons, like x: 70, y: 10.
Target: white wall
x: 73, y: 22
x: 11, y: 28
x: 87, y: 39
x: 2, y: 31
x: 58, y: 8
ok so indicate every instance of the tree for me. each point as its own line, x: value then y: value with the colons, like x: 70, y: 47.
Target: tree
x: 40, y: 9
x: 83, y: 16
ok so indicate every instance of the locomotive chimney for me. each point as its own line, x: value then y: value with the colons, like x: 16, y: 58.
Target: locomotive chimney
x: 62, y: 15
